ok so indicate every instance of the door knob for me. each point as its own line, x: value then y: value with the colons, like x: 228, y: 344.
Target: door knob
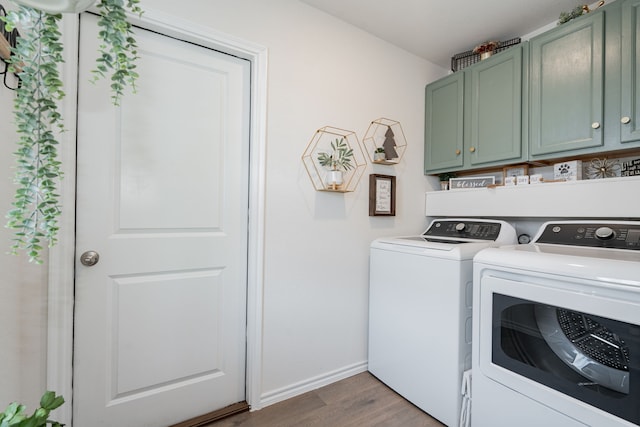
x: 89, y: 258
x: 595, y: 125
x: 625, y: 120
x: 472, y: 149
x: 457, y: 152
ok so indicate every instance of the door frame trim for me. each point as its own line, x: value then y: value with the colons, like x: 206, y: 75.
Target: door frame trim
x: 61, y: 258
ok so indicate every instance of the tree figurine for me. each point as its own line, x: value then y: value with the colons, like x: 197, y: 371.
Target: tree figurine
x: 389, y: 144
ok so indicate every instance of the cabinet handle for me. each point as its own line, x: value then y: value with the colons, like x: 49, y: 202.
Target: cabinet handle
x: 458, y: 152
x: 472, y: 149
x: 625, y: 120
x: 595, y: 125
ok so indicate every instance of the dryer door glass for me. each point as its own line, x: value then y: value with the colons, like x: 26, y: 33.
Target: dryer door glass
x: 588, y: 357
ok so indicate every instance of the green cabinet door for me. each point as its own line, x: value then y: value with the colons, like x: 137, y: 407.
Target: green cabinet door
x: 444, y: 116
x: 566, y: 88
x: 493, y: 132
x: 630, y: 94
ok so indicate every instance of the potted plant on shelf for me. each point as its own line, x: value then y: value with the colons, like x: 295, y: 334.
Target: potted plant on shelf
x: 337, y: 162
x: 36, y: 60
x: 379, y: 155
x: 444, y: 179
x: 15, y: 416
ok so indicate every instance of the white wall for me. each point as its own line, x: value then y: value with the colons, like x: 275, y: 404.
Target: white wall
x: 322, y: 72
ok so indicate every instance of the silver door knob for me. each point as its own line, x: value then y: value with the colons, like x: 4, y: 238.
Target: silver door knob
x: 625, y: 120
x: 89, y: 258
x: 595, y: 125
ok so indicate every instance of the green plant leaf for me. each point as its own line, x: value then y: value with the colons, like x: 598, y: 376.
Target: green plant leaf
x: 50, y: 401
x: 340, y: 157
x: 118, y: 50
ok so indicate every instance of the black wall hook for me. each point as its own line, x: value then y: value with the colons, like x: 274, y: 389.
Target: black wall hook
x: 8, y: 41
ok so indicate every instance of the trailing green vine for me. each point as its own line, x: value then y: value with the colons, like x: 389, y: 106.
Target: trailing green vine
x: 35, y: 60
x: 118, y: 50
x: 36, y: 206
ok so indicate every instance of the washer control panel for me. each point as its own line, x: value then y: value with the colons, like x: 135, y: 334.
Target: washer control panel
x: 611, y: 235
x: 464, y: 229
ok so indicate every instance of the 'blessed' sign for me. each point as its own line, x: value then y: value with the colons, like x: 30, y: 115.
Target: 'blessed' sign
x: 471, y: 182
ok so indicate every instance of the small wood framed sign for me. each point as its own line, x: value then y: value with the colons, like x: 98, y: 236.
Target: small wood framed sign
x: 382, y: 195
x: 519, y: 170
x: 471, y: 182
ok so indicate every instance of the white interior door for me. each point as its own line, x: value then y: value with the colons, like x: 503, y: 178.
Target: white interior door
x: 162, y: 197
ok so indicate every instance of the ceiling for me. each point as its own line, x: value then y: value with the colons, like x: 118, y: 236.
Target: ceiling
x: 438, y: 29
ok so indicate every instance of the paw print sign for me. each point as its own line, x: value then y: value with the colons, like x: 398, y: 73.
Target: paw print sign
x: 568, y: 171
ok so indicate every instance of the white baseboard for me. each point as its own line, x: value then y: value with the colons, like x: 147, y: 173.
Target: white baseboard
x: 307, y: 385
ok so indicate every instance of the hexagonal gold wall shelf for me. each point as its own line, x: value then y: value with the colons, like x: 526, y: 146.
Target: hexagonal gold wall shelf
x: 334, y: 160
x: 385, y: 142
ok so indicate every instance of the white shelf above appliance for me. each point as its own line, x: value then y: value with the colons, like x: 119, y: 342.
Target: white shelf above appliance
x: 597, y: 198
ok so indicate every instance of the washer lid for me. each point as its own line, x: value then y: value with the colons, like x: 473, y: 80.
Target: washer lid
x: 409, y: 245
x: 452, y: 238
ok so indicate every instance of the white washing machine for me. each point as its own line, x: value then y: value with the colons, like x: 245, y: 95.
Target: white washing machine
x: 420, y: 301
x: 556, y: 328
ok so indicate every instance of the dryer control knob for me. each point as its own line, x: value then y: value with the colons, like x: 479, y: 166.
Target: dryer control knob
x: 523, y: 239
x: 605, y: 233
x: 460, y: 226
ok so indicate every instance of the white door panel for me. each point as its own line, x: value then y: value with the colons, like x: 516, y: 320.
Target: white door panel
x: 162, y: 196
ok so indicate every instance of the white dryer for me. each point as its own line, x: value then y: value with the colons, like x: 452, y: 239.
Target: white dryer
x: 556, y: 331
x: 420, y: 298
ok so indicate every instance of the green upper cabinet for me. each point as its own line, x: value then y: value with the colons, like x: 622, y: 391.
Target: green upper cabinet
x: 444, y: 116
x: 474, y: 117
x: 630, y: 85
x: 493, y: 129
x: 566, y: 88
x: 573, y: 91
x: 585, y: 85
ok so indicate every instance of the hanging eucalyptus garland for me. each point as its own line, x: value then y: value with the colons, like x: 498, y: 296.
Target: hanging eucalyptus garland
x: 35, y: 60
x: 36, y: 208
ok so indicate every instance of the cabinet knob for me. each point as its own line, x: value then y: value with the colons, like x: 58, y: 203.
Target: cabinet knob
x: 472, y: 149
x: 458, y: 152
x: 625, y: 120
x: 595, y: 125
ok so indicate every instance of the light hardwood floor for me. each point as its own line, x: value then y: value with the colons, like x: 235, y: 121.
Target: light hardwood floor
x: 360, y: 400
